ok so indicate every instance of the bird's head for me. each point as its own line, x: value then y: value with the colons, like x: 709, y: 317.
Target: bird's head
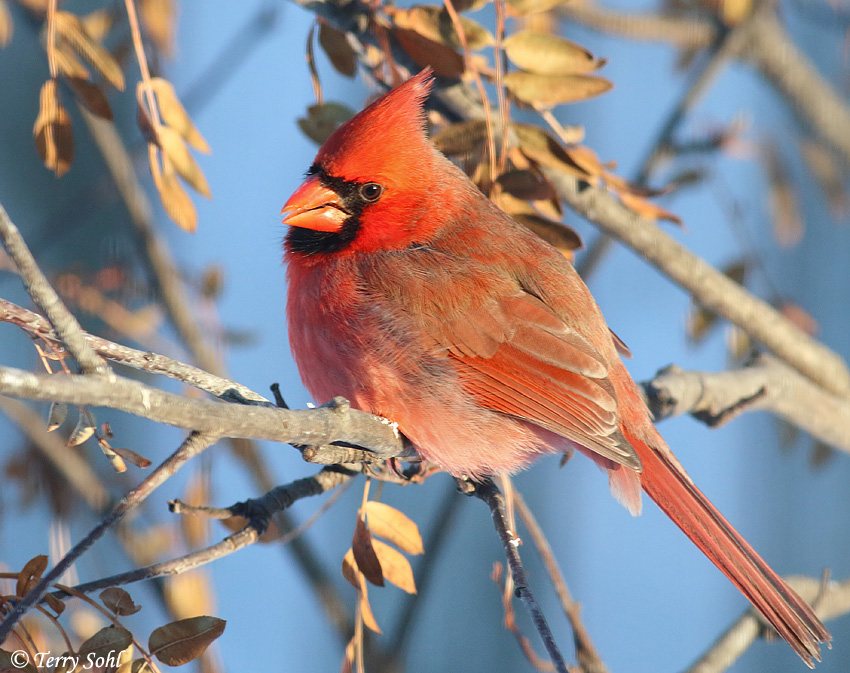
x: 369, y: 184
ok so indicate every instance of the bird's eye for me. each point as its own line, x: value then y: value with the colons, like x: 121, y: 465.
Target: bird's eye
x: 371, y: 191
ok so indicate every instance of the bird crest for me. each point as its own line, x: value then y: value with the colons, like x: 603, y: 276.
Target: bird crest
x: 385, y: 138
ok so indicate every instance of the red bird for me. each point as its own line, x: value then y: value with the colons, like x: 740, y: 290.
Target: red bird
x: 414, y: 296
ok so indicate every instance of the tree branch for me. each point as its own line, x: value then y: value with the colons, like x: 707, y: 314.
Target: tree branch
x: 264, y: 509
x: 305, y: 426
x: 829, y: 600
x: 131, y: 357
x: 491, y: 495
x: 707, y: 285
x: 765, y: 383
x: 47, y: 300
x: 191, y: 447
x: 812, y: 98
x: 587, y: 655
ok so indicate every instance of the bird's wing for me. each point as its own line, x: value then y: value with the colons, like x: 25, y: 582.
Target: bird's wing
x: 516, y: 356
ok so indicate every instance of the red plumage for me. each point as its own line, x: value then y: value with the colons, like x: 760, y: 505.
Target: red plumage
x: 414, y: 296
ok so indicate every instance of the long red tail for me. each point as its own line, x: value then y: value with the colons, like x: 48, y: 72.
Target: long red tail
x: 665, y: 481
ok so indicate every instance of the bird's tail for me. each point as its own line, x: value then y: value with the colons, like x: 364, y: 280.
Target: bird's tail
x: 666, y: 482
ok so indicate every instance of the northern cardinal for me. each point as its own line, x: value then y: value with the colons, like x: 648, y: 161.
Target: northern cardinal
x: 414, y: 296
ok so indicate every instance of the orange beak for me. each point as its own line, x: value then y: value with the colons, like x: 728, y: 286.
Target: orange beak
x: 314, y: 206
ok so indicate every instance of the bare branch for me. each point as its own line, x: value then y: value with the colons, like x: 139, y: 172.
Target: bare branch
x: 706, y: 284
x: 496, y: 502
x: 811, y: 97
x: 264, y: 509
x: 191, y: 447
x: 45, y: 297
x: 829, y: 600
x: 586, y: 653
x: 70, y: 464
x: 142, y: 360
x: 815, y: 102
x: 307, y: 426
x: 765, y: 383
x: 684, y: 31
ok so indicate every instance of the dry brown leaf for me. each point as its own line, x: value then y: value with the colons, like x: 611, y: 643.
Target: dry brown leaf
x: 71, y: 29
x: 732, y: 12
x: 347, y: 665
x: 175, y: 150
x: 543, y: 149
x: 97, y: 24
x: 395, y: 566
x: 523, y: 7
x: 443, y: 59
x: 364, y: 554
x: 586, y: 159
x: 30, y: 575
x: 189, y: 594
x: 557, y: 234
x: 85, y: 428
x: 701, y: 320
x: 54, y: 138
x: 182, y: 641
x: 526, y: 185
x: 68, y: 64
x: 786, y: 218
x: 647, y: 208
x: 828, y: 174
x: 56, y: 415
x: 800, y: 317
x: 174, y: 114
x: 175, y: 200
x: 91, y: 96
x: 7, y: 27
x: 135, y: 666
x: 195, y: 529
x: 159, y: 18
x: 323, y: 119
x: 54, y: 603
x: 7, y: 665
x: 338, y: 49
x: 393, y: 525
x: 461, y: 138
x: 366, y: 609
x: 547, y: 54
x: 114, y: 459
x: 132, y: 457
x: 119, y: 601
x: 547, y: 91
x: 109, y: 640
x: 435, y: 23
x: 349, y: 569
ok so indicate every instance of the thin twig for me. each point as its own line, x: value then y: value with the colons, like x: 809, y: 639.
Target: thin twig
x: 67, y: 462
x: 491, y: 495
x: 586, y: 653
x: 131, y: 357
x: 271, y: 504
x: 191, y: 446
x: 47, y: 300
x: 434, y: 543
x: 728, y: 47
